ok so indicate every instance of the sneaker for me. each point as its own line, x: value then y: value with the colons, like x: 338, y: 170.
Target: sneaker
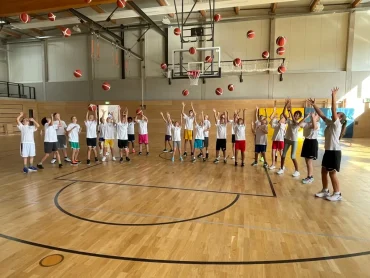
x: 147, y: 153
x: 200, y: 155
x: 181, y: 159
x: 60, y: 165
x: 113, y: 158
x: 272, y: 167
x: 103, y: 159
x: 337, y: 196
x: 128, y: 159
x: 242, y: 165
x: 233, y: 157
x: 96, y: 159
x: 74, y: 163
x: 206, y: 155
x: 225, y: 160
x: 40, y: 166
x: 236, y: 163
x: 204, y: 159
x: 53, y: 161
x: 101, y: 152
x: 171, y: 151
x: 261, y: 159
x: 323, y: 193
x: 121, y: 160
x: 185, y: 154
x: 254, y: 163
x: 296, y: 174
x: 133, y: 151
x: 193, y: 160
x: 216, y: 161
x: 173, y: 159
x: 308, y: 180
x: 280, y: 172
x: 66, y: 159
x: 78, y: 161
x: 88, y: 162
x: 165, y: 151
x: 265, y: 165
x: 139, y: 153
x: 32, y: 169
x: 25, y: 170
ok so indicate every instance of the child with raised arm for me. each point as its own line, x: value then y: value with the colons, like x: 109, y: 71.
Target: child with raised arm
x: 199, y: 137
x: 261, y: 132
x: 310, y: 145
x: 122, y: 134
x: 109, y: 126
x: 50, y: 141
x: 335, y: 129
x: 91, y: 123
x: 221, y: 124
x: 232, y: 122
x: 61, y: 135
x: 168, y: 136
x: 279, y: 127
x: 101, y: 131
x: 188, y: 132
x: 176, y: 128
x: 291, y: 137
x: 239, y: 130
x: 207, y: 126
x: 131, y: 133
x: 143, y: 133
x: 28, y: 149
x: 73, y: 131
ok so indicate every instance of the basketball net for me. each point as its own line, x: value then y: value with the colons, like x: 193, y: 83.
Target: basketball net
x: 194, y: 77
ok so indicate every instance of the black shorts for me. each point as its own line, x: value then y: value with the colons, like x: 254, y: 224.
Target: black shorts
x: 221, y: 144
x: 91, y: 142
x: 168, y: 138
x: 331, y: 160
x: 131, y: 137
x: 233, y: 138
x: 310, y: 149
x: 122, y: 144
x: 260, y: 148
x: 50, y: 147
x: 205, y: 142
x: 62, y: 142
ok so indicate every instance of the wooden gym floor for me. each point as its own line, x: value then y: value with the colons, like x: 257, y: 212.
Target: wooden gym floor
x: 153, y: 218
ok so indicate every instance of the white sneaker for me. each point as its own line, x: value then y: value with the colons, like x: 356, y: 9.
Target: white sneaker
x: 233, y: 157
x: 101, y: 152
x: 323, y: 193
x: 280, y: 172
x: 308, y: 180
x: 53, y: 161
x: 337, y: 196
x: 296, y: 174
x: 104, y: 159
x: 113, y: 158
x: 67, y: 159
x: 272, y: 167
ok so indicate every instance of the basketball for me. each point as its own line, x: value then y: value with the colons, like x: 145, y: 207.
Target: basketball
x: 192, y: 50
x: 139, y: 111
x: 219, y: 91
x: 208, y: 59
x: 281, y: 41
x: 231, y: 87
x: 77, y: 73
x: 265, y: 54
x: 163, y: 66
x: 92, y: 107
x: 106, y: 86
x: 66, y: 32
x: 121, y: 4
x: 177, y: 31
x: 280, y: 51
x: 250, y: 34
x: 282, y: 69
x: 88, y: 1
x: 51, y: 16
x: 237, y: 62
x: 25, y: 18
x: 217, y: 17
x: 185, y: 93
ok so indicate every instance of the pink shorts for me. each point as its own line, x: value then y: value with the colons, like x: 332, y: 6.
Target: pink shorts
x: 278, y: 145
x: 143, y: 139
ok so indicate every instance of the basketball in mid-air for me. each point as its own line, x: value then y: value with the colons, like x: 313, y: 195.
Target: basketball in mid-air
x: 280, y: 51
x: 250, y: 34
x: 177, y: 31
x: 217, y: 17
x: 208, y: 59
x: 25, y: 18
x: 281, y: 41
x: 219, y: 91
x: 265, y: 54
x: 121, y: 4
x: 92, y: 107
x: 163, y: 66
x: 192, y: 50
x: 106, y: 86
x: 282, y: 69
x: 231, y: 87
x: 237, y: 62
x: 185, y: 93
x: 77, y: 73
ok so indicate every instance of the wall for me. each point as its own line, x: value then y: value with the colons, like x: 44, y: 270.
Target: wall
x: 3, y: 63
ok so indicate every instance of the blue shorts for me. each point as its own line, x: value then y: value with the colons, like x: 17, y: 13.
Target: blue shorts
x: 198, y: 144
x: 101, y: 139
x: 260, y: 148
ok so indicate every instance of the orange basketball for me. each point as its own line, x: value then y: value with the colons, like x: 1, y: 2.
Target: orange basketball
x: 185, y: 93
x: 280, y: 51
x: 231, y: 87
x: 121, y: 4
x: 265, y: 54
x: 66, y: 32
x: 237, y: 62
x: 250, y: 34
x: 192, y: 50
x: 219, y: 91
x: 77, y: 73
x: 208, y: 59
x: 25, y: 18
x: 139, y: 111
x: 88, y: 1
x: 106, y: 86
x: 163, y: 66
x: 177, y: 31
x: 282, y: 69
x: 217, y: 17
x: 281, y: 41
x: 51, y: 16
x: 92, y: 107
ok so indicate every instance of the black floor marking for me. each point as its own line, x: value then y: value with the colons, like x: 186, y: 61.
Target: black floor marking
x: 105, y: 256
x: 56, y: 202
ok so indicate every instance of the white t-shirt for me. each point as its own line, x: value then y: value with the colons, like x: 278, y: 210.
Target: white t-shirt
x: 122, y: 131
x: 199, y: 132
x: 206, y: 125
x: 143, y: 127
x: 221, y: 130
x: 131, y: 128
x: 279, y: 131
x: 309, y: 132
x: 169, y: 129
x: 232, y: 127
x: 292, y: 131
x: 257, y: 123
x: 90, y: 129
x: 332, y: 134
x: 27, y: 133
x: 60, y: 127
x: 50, y: 133
x: 108, y: 130
x: 101, y: 130
x: 188, y: 122
x: 73, y: 135
x: 239, y: 131
x: 176, y: 133
x: 261, y: 136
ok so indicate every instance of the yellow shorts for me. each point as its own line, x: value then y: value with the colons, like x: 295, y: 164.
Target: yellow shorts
x: 109, y: 143
x: 188, y: 134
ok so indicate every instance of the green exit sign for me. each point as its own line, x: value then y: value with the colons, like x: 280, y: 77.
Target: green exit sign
x: 107, y: 102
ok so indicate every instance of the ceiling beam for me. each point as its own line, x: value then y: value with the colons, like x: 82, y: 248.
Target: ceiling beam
x: 237, y: 10
x: 10, y: 33
x: 99, y: 10
x: 164, y: 3
x: 273, y: 8
x: 313, y: 5
x: 38, y: 31
x: 355, y: 3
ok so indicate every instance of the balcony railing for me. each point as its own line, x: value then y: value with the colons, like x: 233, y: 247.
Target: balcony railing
x: 16, y: 90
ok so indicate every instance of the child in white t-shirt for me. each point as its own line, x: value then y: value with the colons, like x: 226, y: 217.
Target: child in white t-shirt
x: 176, y: 129
x: 122, y: 135
x: 279, y: 127
x: 261, y: 132
x: 28, y: 149
x: 188, y: 130
x: 168, y: 136
x: 199, y: 137
x: 221, y: 124
x: 91, y: 135
x: 207, y: 126
x: 143, y: 133
x: 259, y: 117
x: 239, y: 131
x: 73, y: 131
x: 131, y: 133
x: 109, y: 127
x: 101, y: 131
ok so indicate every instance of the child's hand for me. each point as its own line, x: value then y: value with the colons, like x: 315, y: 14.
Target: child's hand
x: 161, y: 113
x: 183, y: 104
x: 334, y: 91
x: 21, y: 114
x: 311, y: 101
x: 31, y: 120
x: 214, y: 110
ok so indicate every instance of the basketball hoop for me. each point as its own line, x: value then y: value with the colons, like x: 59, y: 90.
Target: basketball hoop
x: 194, y: 77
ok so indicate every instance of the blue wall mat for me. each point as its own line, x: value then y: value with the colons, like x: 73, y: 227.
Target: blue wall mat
x: 327, y: 112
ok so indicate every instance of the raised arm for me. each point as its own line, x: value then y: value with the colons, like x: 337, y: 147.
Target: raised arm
x: 195, y: 117
x: 304, y: 119
x: 183, y: 109
x: 52, y: 120
x: 227, y: 116
x: 314, y: 118
x: 87, y: 116
x: 317, y: 109
x: 192, y: 108
x: 34, y: 122
x: 287, y: 102
x: 215, y: 114
x: 119, y: 114
x: 181, y: 120
x: 145, y: 118
x: 103, y: 116
x: 334, y: 103
x: 163, y: 117
x: 169, y: 118
x: 125, y: 113
x: 202, y: 116
x: 253, y: 128
x: 256, y: 119
x: 244, y: 115
x: 96, y: 114
x: 272, y: 116
x: 19, y: 118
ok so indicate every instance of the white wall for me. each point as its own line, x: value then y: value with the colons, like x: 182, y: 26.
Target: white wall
x: 3, y: 63
x: 361, y: 44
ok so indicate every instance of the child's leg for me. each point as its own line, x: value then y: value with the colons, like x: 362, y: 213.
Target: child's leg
x: 165, y: 143
x: 273, y: 155
x: 286, y: 148
x: 292, y: 155
x: 25, y: 162
x: 334, y: 180
x: 191, y: 146
x: 174, y: 150
x: 264, y: 158
x: 111, y: 150
x: 65, y: 152
x: 186, y: 140
x: 88, y: 152
x: 324, y: 178
x: 95, y: 152
x: 73, y: 155
x: 243, y: 156
x: 169, y: 144
x: 224, y: 153
x: 140, y: 147
x: 58, y: 157
x: 309, y: 167
x: 132, y: 143
x: 31, y: 160
x: 44, y: 158
x: 255, y: 157
x: 76, y: 154
x: 234, y: 152
x: 126, y: 151
x: 147, y: 147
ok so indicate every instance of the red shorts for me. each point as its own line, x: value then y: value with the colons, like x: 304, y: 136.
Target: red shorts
x: 278, y: 145
x: 143, y: 139
x: 240, y: 145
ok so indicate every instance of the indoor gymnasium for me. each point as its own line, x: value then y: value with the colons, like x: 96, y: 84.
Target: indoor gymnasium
x: 209, y: 138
